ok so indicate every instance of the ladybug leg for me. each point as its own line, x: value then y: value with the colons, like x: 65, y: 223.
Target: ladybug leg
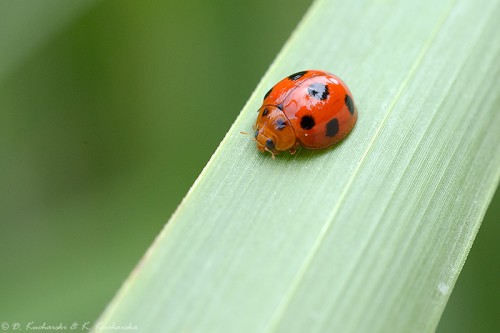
x: 295, y: 148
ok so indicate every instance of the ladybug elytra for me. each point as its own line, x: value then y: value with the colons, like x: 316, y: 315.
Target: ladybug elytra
x: 313, y: 109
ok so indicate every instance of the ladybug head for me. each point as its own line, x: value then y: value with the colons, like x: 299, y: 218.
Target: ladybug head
x: 273, y: 131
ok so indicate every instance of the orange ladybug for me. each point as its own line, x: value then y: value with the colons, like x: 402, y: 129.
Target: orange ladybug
x: 313, y: 109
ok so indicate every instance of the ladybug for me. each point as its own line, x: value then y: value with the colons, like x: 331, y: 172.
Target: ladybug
x: 313, y: 109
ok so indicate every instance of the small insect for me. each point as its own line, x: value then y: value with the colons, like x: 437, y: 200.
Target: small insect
x: 313, y: 109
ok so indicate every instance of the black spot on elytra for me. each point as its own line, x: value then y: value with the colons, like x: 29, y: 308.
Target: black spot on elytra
x: 318, y: 90
x: 350, y: 104
x: 268, y: 93
x: 307, y: 122
x: 269, y: 144
x: 297, y: 75
x: 280, y: 124
x: 332, y: 127
x: 265, y: 112
x: 256, y: 134
x: 280, y: 106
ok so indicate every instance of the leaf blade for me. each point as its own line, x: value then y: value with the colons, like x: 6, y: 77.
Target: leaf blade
x: 241, y: 244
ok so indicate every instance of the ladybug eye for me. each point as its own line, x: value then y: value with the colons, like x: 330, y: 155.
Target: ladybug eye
x: 265, y: 112
x: 269, y: 144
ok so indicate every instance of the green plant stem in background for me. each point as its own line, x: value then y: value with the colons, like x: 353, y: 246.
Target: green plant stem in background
x: 369, y: 236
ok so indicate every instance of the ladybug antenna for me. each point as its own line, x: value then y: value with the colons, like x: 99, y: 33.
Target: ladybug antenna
x: 260, y: 144
x: 254, y: 139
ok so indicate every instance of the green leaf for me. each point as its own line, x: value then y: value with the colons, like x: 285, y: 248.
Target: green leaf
x: 368, y: 236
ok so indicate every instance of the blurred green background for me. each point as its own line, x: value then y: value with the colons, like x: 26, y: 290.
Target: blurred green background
x: 108, y: 112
